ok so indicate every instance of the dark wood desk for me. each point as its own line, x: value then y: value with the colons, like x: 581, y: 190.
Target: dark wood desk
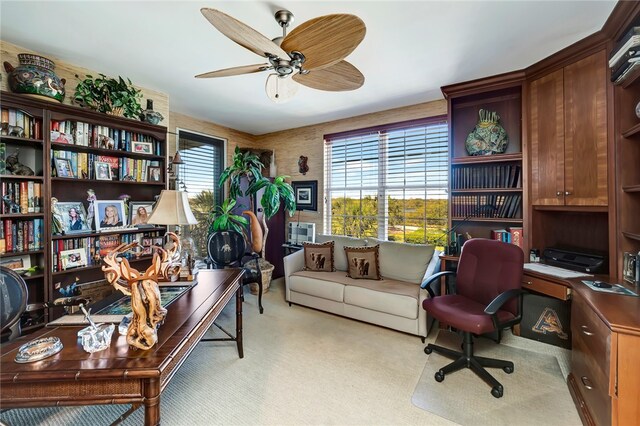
x: 120, y: 375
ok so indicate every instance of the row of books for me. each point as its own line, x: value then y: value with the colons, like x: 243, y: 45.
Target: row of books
x: 21, y: 235
x: 511, y: 235
x: 486, y: 206
x: 31, y: 126
x: 82, y: 165
x: 26, y: 194
x: 487, y: 176
x: 625, y: 56
x: 96, y: 136
x: 93, y: 249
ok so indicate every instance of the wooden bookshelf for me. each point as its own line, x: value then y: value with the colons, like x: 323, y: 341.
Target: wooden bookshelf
x: 37, y: 153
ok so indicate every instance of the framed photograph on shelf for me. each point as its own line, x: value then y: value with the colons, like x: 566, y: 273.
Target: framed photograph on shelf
x: 139, y: 212
x: 306, y: 194
x: 63, y: 167
x: 630, y: 271
x: 109, y: 214
x: 73, y: 217
x: 75, y: 258
x: 142, y: 147
x: 16, y: 263
x: 103, y: 171
x: 154, y: 174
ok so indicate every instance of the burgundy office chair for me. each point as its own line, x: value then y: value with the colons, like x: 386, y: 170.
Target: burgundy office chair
x: 488, y: 298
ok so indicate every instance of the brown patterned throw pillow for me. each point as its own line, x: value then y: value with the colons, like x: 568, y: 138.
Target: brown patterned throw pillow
x: 318, y: 257
x: 363, y: 262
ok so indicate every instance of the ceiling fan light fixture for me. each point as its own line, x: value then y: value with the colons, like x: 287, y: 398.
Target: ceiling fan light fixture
x: 280, y: 89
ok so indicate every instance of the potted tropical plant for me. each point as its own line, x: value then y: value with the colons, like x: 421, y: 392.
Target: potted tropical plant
x: 247, y: 165
x: 109, y: 95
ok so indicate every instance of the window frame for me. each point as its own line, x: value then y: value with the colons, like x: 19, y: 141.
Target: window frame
x: 383, y: 188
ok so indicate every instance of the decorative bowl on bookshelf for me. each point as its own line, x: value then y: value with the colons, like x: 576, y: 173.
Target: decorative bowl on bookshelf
x: 35, y: 76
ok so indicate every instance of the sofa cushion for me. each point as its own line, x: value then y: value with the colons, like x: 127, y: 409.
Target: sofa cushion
x: 388, y: 296
x: 403, y: 261
x: 318, y: 257
x: 326, y: 285
x: 363, y: 263
x: 339, y: 257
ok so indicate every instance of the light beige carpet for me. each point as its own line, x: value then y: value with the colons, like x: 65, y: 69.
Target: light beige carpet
x: 535, y: 393
x: 301, y: 367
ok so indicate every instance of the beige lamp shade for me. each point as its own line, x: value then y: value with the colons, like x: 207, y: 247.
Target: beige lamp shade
x: 172, y: 209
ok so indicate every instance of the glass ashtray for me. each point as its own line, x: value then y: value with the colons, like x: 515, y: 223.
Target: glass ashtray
x: 98, y: 338
x: 38, y: 349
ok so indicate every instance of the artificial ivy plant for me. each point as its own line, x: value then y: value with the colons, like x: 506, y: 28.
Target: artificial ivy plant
x: 109, y: 95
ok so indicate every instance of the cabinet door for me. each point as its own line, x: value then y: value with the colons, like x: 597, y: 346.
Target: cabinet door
x: 547, y: 140
x: 585, y: 135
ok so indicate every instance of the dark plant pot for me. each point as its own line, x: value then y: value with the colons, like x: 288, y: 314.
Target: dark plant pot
x: 35, y: 76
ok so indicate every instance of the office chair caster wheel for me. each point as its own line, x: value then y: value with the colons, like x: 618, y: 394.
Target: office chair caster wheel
x: 427, y: 350
x: 507, y: 370
x: 497, y: 391
x: 440, y: 377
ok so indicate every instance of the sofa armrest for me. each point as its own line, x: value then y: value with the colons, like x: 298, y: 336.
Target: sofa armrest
x: 292, y: 263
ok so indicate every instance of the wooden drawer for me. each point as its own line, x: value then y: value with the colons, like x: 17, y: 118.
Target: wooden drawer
x: 538, y: 285
x: 590, y: 358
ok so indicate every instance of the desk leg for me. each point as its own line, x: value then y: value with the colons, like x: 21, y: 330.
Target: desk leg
x: 152, y: 402
x: 239, y: 321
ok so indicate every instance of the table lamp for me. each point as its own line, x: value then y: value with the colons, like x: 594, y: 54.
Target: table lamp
x: 173, y: 209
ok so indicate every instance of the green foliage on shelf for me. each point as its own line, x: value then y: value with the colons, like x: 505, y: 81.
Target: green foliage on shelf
x: 109, y: 95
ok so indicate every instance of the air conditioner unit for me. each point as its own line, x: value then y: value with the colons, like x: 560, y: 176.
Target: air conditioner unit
x: 301, y: 232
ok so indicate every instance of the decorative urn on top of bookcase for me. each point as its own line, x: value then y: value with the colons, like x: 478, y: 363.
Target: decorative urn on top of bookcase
x: 35, y: 76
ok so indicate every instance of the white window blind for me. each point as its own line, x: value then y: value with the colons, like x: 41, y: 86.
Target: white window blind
x: 388, y: 182
x: 203, y: 164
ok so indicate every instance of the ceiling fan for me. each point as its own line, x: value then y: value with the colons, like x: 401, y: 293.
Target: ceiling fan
x: 312, y: 54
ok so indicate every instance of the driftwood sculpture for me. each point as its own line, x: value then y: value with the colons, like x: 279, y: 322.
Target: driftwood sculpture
x: 148, y: 313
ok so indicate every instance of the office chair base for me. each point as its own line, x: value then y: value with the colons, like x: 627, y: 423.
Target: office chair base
x: 467, y: 359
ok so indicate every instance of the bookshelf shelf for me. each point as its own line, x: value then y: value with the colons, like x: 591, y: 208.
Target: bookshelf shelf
x: 485, y: 190
x: 487, y: 219
x: 484, y: 159
x: 33, y: 277
x: 17, y: 177
x: 631, y: 235
x: 21, y: 215
x: 631, y: 79
x: 631, y: 188
x: 99, y: 234
x: 22, y: 253
x: 25, y: 141
x: 93, y: 267
x: 632, y: 131
x: 119, y: 182
x: 102, y: 151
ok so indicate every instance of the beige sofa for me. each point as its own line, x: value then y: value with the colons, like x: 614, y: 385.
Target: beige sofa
x: 394, y: 302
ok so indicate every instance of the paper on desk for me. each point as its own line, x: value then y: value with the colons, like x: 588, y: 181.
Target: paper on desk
x: 554, y: 271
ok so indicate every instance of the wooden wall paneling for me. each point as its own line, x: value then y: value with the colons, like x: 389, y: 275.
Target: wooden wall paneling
x: 585, y: 132
x: 526, y: 172
x: 546, y: 139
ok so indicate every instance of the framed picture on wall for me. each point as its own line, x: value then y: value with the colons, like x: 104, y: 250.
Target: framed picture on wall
x: 306, y: 194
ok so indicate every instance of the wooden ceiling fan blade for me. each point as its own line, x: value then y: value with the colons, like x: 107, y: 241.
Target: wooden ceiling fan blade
x: 339, y: 77
x: 325, y: 40
x: 243, y: 34
x: 245, y: 69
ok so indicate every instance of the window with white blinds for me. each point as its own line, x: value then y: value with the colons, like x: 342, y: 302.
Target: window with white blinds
x: 389, y: 182
x: 203, y: 158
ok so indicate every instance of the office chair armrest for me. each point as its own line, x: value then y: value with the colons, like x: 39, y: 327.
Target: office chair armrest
x: 501, y: 299
x: 426, y: 284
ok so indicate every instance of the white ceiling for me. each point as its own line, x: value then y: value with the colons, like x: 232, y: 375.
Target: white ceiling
x: 410, y: 50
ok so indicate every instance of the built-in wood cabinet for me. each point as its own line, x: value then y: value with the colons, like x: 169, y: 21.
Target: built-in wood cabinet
x: 568, y: 135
